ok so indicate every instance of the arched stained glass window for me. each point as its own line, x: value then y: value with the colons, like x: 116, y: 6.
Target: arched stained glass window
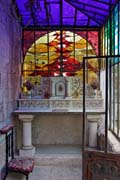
x: 57, y: 53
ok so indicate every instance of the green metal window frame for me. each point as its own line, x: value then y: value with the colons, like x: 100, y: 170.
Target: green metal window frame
x: 112, y: 47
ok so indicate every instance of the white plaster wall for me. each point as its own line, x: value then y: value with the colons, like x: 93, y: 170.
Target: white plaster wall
x: 57, y: 128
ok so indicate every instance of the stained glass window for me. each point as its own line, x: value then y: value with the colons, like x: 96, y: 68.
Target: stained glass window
x: 105, y: 39
x: 108, y: 37
x: 116, y: 30
x: 72, y: 13
x: 57, y: 53
x: 112, y: 47
x: 112, y: 33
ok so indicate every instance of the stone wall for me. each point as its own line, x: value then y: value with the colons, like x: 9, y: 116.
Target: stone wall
x: 57, y: 128
x: 2, y: 155
x: 10, y: 53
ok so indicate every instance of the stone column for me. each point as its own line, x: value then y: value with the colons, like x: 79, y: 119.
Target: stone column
x: 92, y: 127
x: 27, y: 147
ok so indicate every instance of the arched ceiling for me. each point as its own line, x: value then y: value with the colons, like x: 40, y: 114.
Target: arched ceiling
x: 64, y: 13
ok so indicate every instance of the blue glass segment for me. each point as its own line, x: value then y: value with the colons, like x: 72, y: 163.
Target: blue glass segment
x: 58, y: 13
x: 54, y: 14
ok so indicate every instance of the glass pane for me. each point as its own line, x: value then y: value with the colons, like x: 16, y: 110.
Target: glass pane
x: 116, y: 30
x: 113, y: 35
x: 105, y: 39
x: 50, y: 12
x: 114, y: 97
x: 108, y: 38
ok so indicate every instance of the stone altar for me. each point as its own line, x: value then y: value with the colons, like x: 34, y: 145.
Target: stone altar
x: 56, y: 116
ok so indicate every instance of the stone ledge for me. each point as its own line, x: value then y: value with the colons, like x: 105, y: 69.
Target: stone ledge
x: 58, y: 155
x: 59, y: 103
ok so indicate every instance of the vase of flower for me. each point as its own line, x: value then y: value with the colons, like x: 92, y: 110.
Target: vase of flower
x: 29, y: 87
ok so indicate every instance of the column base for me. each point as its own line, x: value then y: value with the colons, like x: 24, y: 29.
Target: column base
x: 93, y: 126
x: 27, y: 152
x: 68, y: 97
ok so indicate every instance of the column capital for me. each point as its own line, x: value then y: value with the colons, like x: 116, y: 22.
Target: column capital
x: 26, y: 117
x: 93, y: 118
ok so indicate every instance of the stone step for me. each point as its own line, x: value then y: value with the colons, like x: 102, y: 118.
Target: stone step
x: 58, y: 155
x: 58, y: 159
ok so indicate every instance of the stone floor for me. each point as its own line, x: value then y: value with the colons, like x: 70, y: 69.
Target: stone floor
x: 51, y: 173
x: 55, y: 163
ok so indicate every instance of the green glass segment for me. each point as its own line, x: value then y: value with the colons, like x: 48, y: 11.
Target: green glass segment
x: 105, y: 39
x: 116, y: 29
x: 108, y: 38
x: 113, y: 34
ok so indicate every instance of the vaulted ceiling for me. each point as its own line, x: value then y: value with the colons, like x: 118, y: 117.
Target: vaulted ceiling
x: 64, y: 13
